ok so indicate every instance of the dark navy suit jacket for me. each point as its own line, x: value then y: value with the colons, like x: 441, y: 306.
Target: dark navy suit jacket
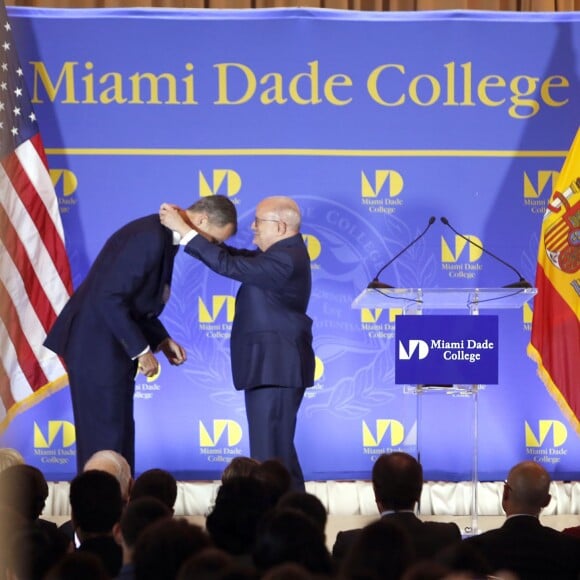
x: 427, y: 538
x: 271, y: 342
x: 113, y: 315
x: 531, y: 550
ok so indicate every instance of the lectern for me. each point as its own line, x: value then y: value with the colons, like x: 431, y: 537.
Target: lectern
x: 471, y: 301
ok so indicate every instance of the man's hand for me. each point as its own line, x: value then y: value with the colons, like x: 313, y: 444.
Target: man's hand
x: 174, y: 352
x: 147, y: 364
x: 171, y: 217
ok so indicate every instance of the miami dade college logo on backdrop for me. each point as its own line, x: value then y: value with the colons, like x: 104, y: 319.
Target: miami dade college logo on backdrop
x: 385, y: 436
x: 223, y: 181
x: 460, y: 259
x: 534, y: 189
x: 380, y: 190
x: 439, y: 349
x: 53, y: 443
x: 544, y: 441
x: 216, y: 317
x: 562, y: 230
x: 219, y: 442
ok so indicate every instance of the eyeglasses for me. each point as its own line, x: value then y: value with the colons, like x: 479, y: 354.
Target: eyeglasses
x: 257, y: 220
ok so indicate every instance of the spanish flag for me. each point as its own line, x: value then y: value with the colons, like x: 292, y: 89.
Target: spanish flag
x: 555, y: 338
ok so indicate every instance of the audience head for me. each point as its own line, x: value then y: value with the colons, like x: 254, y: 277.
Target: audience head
x: 527, y: 489
x: 77, y: 565
x: 240, y: 467
x: 137, y: 516
x: 156, y: 483
x: 32, y: 553
x: 164, y: 546
x: 383, y: 551
x: 288, y: 571
x: 287, y: 535
x: 208, y: 564
x: 239, y: 505
x: 9, y: 457
x: 24, y: 489
x: 96, y: 503
x: 275, y: 476
x: 115, y: 464
x: 397, y: 481
x: 308, y: 504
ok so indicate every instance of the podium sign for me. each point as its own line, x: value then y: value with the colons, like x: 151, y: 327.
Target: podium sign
x: 441, y: 349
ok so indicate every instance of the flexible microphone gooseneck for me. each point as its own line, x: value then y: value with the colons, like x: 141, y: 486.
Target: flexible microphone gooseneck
x: 376, y: 283
x: 521, y: 283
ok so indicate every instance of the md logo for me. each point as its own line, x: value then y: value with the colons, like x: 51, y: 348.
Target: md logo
x: 219, y: 303
x: 546, y: 427
x: 219, y: 427
x: 449, y: 255
x: 416, y: 348
x: 313, y: 246
x: 383, y: 179
x: 545, y: 182
x: 64, y: 181
x: 374, y: 439
x: 372, y: 315
x: 64, y: 429
x: 223, y: 181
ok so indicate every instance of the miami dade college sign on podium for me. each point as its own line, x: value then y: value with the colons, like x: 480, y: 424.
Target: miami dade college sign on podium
x: 446, y: 349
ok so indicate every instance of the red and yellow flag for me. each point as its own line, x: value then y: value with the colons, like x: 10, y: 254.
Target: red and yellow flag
x: 555, y: 339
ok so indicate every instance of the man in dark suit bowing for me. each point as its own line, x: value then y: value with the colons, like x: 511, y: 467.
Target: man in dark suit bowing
x: 523, y: 545
x: 110, y: 327
x: 271, y: 342
x: 397, y: 484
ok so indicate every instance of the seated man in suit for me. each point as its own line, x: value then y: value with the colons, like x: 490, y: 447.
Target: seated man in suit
x: 523, y: 545
x: 397, y: 483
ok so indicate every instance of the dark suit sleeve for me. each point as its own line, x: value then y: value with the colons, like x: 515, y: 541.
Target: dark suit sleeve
x: 117, y: 289
x: 269, y: 269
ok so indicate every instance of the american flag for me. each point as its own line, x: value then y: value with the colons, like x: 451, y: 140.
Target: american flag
x: 35, y: 279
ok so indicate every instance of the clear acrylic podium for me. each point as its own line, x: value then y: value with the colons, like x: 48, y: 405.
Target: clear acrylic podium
x: 414, y: 301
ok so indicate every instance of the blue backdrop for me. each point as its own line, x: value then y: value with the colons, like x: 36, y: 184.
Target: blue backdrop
x: 373, y: 122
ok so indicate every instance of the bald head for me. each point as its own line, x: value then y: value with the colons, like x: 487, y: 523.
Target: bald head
x: 115, y: 464
x: 527, y: 489
x: 285, y: 209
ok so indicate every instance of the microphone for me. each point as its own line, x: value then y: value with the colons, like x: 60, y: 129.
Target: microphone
x: 376, y: 283
x: 521, y: 283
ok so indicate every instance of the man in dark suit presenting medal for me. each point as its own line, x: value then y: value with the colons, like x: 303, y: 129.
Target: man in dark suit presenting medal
x: 271, y: 343
x: 110, y: 326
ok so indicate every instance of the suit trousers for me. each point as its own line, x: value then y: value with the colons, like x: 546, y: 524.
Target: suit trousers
x: 271, y: 413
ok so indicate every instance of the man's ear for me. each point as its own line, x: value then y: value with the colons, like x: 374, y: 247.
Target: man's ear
x: 117, y: 533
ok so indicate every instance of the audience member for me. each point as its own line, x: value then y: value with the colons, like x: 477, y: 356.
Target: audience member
x: 383, y: 550
x: 137, y: 516
x: 240, y: 467
x: 288, y: 571
x: 523, y: 545
x: 9, y: 457
x: 275, y: 476
x: 240, y: 504
x: 78, y: 566
x: 157, y: 483
x: 308, y: 504
x: 287, y: 535
x: 11, y: 522
x: 115, y: 464
x: 32, y: 552
x: 96, y: 506
x: 164, y: 546
x: 110, y: 462
x: 397, y: 484
x: 24, y: 489
x: 208, y: 564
